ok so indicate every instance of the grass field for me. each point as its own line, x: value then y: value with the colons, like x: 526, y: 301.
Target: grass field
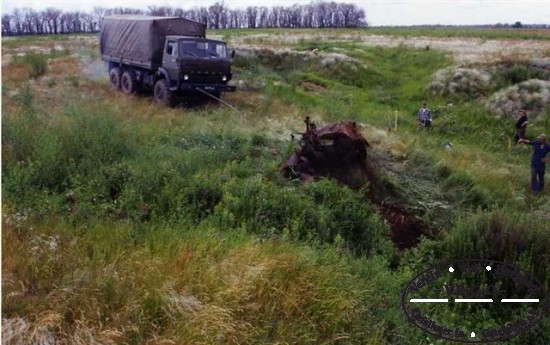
x: 472, y: 32
x: 127, y: 223
x: 415, y: 31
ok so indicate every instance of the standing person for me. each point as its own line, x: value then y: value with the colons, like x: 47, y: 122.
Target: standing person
x: 538, y: 161
x: 425, y: 116
x: 521, y: 125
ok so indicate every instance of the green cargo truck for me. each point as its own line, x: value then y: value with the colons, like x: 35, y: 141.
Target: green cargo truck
x: 167, y: 54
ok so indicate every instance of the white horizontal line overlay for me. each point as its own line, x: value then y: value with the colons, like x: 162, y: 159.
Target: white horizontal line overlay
x: 429, y: 300
x: 473, y: 300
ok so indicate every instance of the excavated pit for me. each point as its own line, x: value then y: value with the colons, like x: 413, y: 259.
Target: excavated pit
x: 339, y: 151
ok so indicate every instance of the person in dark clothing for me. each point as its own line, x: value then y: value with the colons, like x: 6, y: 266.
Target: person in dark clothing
x: 521, y: 126
x: 425, y: 116
x: 538, y: 161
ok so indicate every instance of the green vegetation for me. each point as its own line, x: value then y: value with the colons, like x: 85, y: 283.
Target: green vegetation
x: 409, y: 31
x: 37, y: 63
x: 128, y: 223
x: 470, y: 32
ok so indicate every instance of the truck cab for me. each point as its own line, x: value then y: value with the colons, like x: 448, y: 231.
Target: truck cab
x: 193, y: 63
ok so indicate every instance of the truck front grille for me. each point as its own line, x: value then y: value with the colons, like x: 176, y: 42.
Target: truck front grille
x: 206, y: 79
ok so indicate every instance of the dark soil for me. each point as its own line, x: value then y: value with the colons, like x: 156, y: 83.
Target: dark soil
x: 406, y: 230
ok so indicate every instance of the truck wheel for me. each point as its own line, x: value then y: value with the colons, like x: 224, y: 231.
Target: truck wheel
x: 114, y: 77
x: 128, y: 82
x: 163, y: 95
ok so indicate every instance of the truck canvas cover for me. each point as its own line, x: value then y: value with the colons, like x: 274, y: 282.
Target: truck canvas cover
x: 139, y: 40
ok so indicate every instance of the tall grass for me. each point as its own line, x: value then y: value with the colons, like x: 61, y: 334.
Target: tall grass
x: 197, y: 287
x: 85, y: 164
x: 127, y: 223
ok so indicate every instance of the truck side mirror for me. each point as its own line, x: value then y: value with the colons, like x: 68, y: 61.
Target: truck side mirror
x: 233, y: 54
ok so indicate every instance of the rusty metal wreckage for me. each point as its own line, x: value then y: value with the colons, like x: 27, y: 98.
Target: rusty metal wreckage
x: 336, y: 150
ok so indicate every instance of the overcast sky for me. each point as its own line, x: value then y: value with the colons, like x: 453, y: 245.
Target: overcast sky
x: 378, y: 12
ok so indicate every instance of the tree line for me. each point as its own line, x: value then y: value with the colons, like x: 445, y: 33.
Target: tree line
x: 319, y: 14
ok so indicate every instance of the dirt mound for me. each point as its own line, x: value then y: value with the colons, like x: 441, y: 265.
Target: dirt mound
x: 313, y: 88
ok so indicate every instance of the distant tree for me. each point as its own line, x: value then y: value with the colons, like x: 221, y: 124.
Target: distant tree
x: 88, y: 24
x: 203, y: 15
x: 162, y: 11
x: 234, y: 19
x: 252, y: 16
x: 17, y: 18
x: 517, y: 25
x: 308, y: 16
x: 7, y: 29
x: 38, y: 21
x: 263, y: 21
x: 215, y: 15
x: 52, y: 19
x: 318, y: 14
x: 274, y: 15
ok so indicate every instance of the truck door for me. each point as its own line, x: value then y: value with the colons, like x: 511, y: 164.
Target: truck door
x: 170, y: 60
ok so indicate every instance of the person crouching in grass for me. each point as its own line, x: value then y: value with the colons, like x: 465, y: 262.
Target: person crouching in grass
x: 538, y: 161
x: 521, y: 125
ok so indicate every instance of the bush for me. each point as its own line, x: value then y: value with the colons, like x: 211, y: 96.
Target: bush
x: 37, y: 64
x: 521, y: 73
x: 500, y: 235
x: 460, y: 82
x: 532, y: 95
x: 509, y: 72
x: 504, y: 237
x: 46, y: 155
x: 321, y: 213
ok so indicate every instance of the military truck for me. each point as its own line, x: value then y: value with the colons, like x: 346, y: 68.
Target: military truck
x: 171, y: 55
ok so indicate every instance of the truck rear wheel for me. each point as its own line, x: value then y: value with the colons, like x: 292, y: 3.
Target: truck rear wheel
x: 163, y: 95
x: 114, y: 78
x: 128, y: 82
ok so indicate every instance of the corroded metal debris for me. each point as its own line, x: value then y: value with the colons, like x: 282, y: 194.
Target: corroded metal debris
x: 336, y: 150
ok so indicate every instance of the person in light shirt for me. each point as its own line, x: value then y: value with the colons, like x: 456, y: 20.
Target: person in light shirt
x: 425, y: 116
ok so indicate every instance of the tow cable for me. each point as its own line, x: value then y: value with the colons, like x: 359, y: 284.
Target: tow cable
x: 218, y: 99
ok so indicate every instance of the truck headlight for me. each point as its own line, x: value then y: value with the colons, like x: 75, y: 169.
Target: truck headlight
x: 224, y: 78
x: 185, y: 77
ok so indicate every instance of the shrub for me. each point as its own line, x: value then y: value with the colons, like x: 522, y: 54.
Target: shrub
x: 521, y: 73
x: 37, y: 64
x: 18, y: 132
x: 533, y: 95
x: 512, y: 72
x: 321, y: 213
x: 502, y: 236
x: 460, y: 82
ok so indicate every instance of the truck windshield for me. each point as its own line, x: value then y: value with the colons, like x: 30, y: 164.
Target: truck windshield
x: 203, y: 49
